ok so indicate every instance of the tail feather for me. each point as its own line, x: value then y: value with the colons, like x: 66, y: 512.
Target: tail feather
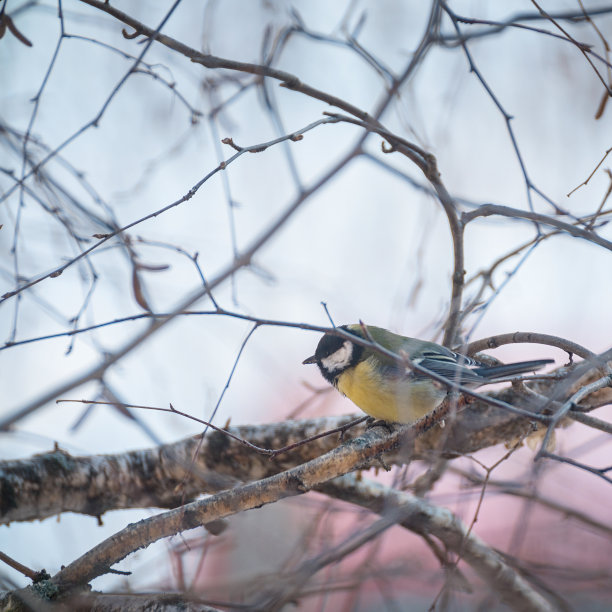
x: 511, y: 369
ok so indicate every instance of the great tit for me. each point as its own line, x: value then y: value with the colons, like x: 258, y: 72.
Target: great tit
x: 384, y: 388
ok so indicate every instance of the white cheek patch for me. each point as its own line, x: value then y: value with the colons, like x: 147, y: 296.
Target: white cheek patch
x: 340, y: 359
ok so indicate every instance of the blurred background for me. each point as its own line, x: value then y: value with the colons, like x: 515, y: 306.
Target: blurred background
x: 372, y: 243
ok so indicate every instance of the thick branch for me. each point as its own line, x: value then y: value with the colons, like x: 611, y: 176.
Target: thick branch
x: 421, y: 517
x: 108, y: 602
x: 167, y: 476
x: 295, y: 481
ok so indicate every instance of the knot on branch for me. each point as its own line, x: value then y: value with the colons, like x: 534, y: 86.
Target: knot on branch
x: 130, y: 36
x: 292, y: 83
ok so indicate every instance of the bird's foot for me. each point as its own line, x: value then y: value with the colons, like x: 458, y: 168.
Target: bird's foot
x: 372, y: 422
x: 383, y: 463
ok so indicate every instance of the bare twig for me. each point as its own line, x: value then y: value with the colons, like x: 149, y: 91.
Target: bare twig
x: 513, y: 213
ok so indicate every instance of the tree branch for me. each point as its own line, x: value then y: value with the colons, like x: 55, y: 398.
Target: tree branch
x: 421, y: 517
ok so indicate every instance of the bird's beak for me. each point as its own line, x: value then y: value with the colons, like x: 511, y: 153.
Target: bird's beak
x: 312, y: 359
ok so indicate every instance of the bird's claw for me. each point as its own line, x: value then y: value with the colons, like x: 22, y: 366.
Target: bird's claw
x: 372, y: 422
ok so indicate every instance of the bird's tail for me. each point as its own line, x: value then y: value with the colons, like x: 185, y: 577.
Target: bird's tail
x: 510, y: 369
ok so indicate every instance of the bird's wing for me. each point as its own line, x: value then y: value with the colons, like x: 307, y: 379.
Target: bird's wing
x: 439, y: 359
x: 452, y: 366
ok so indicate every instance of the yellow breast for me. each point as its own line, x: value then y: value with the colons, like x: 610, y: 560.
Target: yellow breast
x: 397, y: 400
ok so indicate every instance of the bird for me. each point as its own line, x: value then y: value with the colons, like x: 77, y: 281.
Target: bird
x: 388, y: 390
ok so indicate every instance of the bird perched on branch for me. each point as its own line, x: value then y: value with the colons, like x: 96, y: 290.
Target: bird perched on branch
x: 385, y: 387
